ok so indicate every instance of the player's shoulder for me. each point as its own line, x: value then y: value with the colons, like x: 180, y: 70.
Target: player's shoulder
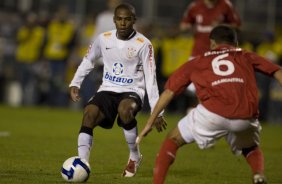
x: 199, y: 59
x: 139, y: 38
x: 107, y: 34
x: 249, y: 54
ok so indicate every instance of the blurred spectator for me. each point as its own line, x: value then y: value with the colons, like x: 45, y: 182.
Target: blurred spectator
x: 277, y: 46
x: 266, y: 47
x: 30, y: 39
x: 2, y: 77
x: 156, y: 35
x: 203, y: 15
x: 60, y: 39
x: 104, y: 21
x: 244, y: 42
x: 43, y: 18
x: 176, y: 48
x: 267, y: 50
x: 10, y: 88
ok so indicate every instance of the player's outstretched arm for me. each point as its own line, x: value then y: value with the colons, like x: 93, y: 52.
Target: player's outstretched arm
x: 278, y: 76
x: 74, y: 93
x: 163, y: 101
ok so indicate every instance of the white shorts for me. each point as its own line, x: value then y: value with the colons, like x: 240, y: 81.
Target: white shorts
x: 204, y: 127
x: 191, y: 88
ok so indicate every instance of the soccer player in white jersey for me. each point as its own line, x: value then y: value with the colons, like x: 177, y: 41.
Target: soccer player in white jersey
x: 128, y: 73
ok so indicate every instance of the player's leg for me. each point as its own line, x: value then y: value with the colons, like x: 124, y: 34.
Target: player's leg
x: 255, y: 159
x: 127, y: 109
x: 200, y: 126
x: 167, y: 154
x: 247, y: 140
x: 91, y: 118
x: 100, y: 110
x: 254, y: 155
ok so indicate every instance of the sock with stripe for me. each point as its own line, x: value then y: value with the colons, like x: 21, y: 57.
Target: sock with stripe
x: 164, y: 159
x: 254, y: 157
x: 130, y: 137
x: 85, y: 141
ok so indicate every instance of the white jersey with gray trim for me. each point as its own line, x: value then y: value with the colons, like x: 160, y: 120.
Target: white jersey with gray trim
x: 129, y: 65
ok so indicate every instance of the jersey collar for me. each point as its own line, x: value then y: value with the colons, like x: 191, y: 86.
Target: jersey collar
x: 130, y: 36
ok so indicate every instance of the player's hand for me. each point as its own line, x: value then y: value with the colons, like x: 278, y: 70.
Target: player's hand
x: 74, y: 93
x: 160, y: 124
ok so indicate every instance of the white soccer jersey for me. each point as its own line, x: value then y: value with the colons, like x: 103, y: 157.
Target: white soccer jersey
x: 129, y: 65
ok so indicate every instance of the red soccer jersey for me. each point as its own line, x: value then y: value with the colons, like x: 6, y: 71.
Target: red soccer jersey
x: 204, y: 19
x: 225, y: 80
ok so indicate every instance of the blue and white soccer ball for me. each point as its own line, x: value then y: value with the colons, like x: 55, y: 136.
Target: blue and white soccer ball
x: 75, y: 169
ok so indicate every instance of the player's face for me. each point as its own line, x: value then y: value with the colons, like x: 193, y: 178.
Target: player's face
x: 124, y: 21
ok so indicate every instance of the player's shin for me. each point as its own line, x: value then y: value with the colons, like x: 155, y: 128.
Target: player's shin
x: 254, y: 157
x: 135, y: 156
x: 85, y: 139
x: 164, y: 159
x: 130, y: 137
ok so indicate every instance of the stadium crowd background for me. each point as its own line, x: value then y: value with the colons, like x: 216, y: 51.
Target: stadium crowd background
x: 25, y: 69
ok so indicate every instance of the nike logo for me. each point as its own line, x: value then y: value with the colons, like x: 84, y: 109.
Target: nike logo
x: 107, y: 48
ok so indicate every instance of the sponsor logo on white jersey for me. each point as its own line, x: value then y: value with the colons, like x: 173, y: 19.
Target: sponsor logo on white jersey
x: 118, y: 69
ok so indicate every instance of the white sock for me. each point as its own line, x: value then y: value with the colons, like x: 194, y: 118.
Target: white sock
x: 84, y: 145
x: 130, y: 137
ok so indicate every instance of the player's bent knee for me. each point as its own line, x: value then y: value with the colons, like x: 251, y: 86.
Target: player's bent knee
x: 126, y: 110
x: 175, y: 135
x: 126, y: 115
x: 90, y: 116
x: 246, y: 151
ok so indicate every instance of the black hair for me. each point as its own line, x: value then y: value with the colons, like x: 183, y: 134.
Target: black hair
x: 224, y: 34
x: 126, y: 6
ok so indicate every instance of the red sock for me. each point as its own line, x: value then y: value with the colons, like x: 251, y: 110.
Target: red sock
x: 256, y: 161
x: 164, y: 159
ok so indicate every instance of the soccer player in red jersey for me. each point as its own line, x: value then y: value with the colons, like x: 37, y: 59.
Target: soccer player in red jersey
x: 203, y: 15
x: 225, y: 83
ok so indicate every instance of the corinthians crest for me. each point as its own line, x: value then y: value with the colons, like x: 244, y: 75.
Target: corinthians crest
x: 131, y: 52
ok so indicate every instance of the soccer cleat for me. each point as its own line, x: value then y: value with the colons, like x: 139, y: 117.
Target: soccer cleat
x: 131, y: 168
x: 259, y: 179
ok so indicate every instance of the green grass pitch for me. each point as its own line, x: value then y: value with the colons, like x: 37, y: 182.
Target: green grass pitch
x: 34, y: 142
